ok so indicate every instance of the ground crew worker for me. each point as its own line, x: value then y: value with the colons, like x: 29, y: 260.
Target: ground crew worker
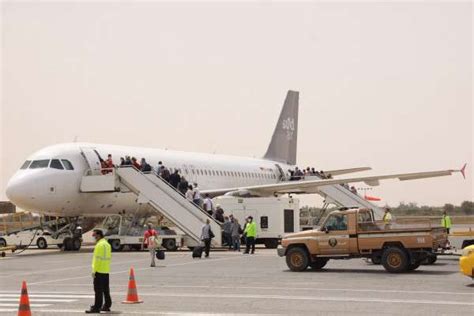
x: 387, y: 217
x: 251, y: 234
x: 100, y: 274
x: 446, y: 221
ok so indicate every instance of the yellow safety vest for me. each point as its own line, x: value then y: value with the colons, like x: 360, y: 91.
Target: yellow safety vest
x: 102, y: 257
x: 387, y: 218
x: 446, y: 221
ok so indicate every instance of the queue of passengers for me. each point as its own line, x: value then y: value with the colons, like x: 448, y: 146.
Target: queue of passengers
x: 299, y: 174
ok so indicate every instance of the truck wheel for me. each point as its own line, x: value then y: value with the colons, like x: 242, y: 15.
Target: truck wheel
x: 395, y: 260
x: 318, y: 264
x: 41, y: 243
x: 76, y: 244
x: 170, y: 244
x: 271, y: 243
x: 297, y: 259
x: 429, y: 260
x: 413, y: 266
x: 3, y: 243
x: 115, y: 244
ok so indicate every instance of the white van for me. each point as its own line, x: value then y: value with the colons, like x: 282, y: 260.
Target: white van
x: 274, y: 216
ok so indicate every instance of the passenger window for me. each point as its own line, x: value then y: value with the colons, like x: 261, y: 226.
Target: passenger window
x: 56, y: 164
x: 37, y: 164
x: 336, y: 222
x: 67, y: 164
x: 25, y: 164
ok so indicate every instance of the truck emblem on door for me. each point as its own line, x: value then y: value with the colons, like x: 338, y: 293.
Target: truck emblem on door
x: 332, y: 242
x: 289, y: 127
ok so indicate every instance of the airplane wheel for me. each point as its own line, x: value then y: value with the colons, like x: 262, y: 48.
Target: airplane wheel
x: 41, y: 243
x: 3, y: 242
x: 76, y: 244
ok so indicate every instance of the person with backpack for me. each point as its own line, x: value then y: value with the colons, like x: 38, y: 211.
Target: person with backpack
x: 145, y: 166
x: 206, y: 237
x: 150, y: 239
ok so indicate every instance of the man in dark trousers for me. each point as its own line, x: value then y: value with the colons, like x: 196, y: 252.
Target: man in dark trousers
x: 100, y: 274
x: 175, y: 179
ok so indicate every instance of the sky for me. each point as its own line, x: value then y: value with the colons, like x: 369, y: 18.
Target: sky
x: 382, y: 84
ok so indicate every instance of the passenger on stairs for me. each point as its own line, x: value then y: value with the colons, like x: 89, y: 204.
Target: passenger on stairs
x: 175, y: 178
x: 197, y: 195
x: 145, y: 166
x: 165, y: 173
x: 183, y: 186
x: 190, y: 193
x: 218, y: 213
x: 122, y: 161
x: 208, y: 205
x: 354, y: 190
x: 128, y: 161
x: 135, y: 163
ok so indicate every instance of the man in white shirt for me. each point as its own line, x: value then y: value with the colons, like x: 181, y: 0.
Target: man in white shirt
x: 208, y: 207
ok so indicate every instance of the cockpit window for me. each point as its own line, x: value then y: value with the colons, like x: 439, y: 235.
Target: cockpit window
x: 37, y: 164
x: 26, y: 164
x: 67, y: 164
x: 56, y: 164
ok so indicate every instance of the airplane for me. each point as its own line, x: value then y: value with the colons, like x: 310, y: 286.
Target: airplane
x: 49, y: 181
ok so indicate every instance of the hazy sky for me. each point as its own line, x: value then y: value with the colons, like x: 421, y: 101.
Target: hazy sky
x: 381, y: 84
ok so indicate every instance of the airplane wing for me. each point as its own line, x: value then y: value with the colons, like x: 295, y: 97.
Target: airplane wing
x: 311, y: 186
x: 346, y: 171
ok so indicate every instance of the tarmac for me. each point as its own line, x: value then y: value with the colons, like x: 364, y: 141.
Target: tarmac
x: 230, y: 283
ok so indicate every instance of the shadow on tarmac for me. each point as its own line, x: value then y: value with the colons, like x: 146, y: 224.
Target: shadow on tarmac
x: 381, y: 271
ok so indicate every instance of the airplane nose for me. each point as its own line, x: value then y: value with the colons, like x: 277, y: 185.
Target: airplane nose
x: 14, y: 190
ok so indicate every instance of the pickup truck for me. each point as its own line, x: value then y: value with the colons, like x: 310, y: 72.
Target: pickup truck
x: 354, y: 233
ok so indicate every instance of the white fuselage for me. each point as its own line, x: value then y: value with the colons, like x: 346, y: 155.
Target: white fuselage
x: 56, y: 191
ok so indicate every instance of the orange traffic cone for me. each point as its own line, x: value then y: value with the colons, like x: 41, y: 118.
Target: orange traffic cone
x: 24, y: 308
x: 132, y: 294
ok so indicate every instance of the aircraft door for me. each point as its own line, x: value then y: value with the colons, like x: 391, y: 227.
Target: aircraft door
x: 92, y: 158
x: 281, y: 173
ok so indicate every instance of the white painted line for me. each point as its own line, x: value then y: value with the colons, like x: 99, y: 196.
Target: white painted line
x: 41, y: 272
x: 138, y: 269
x: 81, y: 311
x: 77, y: 296
x: 31, y: 305
x: 38, y: 300
x: 311, y: 298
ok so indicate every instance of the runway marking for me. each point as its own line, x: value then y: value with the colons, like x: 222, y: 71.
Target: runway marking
x: 39, y: 300
x: 68, y: 268
x: 44, y: 295
x: 31, y: 305
x: 138, y: 269
x: 279, y: 288
x: 312, y: 298
x: 81, y: 311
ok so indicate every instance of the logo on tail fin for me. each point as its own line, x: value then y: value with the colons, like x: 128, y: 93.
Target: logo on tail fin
x: 289, y: 127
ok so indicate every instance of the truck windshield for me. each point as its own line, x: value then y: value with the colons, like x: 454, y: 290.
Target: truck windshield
x: 336, y: 222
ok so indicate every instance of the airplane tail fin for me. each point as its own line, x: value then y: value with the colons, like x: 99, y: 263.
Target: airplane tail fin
x: 282, y: 147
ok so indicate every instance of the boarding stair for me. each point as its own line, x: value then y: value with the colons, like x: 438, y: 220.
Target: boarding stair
x: 343, y: 197
x: 160, y: 195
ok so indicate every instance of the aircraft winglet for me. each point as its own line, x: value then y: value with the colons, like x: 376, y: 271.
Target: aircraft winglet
x: 463, y: 171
